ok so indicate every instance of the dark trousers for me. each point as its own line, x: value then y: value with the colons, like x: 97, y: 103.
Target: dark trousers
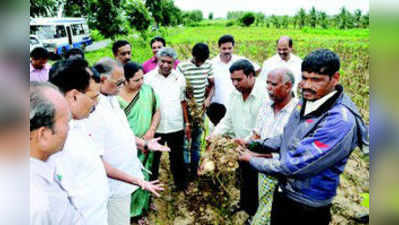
x: 248, y: 188
x: 175, y: 142
x: 287, y: 211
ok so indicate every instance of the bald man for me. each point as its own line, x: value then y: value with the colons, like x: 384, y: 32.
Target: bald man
x: 49, y: 118
x: 283, y: 58
x: 270, y: 122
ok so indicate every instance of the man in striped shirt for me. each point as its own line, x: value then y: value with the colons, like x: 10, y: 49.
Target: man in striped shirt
x: 199, y: 75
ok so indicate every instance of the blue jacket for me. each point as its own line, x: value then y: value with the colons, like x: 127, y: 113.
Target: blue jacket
x: 314, y: 150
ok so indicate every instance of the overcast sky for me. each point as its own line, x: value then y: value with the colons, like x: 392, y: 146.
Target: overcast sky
x: 269, y: 7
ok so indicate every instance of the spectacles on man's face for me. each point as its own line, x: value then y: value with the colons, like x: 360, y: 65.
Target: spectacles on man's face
x: 117, y: 83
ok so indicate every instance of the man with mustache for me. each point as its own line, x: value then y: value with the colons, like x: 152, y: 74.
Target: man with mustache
x: 78, y: 167
x: 316, y: 143
x: 243, y: 106
x: 39, y: 68
x: 283, y: 58
x: 170, y: 86
x: 49, y: 119
x: 270, y: 122
x: 223, y: 85
x: 122, y: 51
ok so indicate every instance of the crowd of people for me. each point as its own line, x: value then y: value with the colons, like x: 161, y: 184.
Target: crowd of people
x: 97, y: 132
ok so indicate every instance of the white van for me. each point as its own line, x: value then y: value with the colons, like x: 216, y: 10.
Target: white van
x: 60, y: 34
x: 34, y: 42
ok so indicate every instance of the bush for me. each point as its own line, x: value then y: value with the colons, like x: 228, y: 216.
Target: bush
x: 230, y: 23
x: 247, y: 19
x: 138, y: 15
x: 96, y: 35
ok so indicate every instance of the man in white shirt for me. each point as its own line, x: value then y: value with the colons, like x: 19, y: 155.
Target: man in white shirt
x: 79, y: 167
x: 270, y: 122
x: 49, y: 117
x: 111, y: 133
x: 170, y: 86
x: 284, y: 58
x: 222, y: 81
x: 243, y: 107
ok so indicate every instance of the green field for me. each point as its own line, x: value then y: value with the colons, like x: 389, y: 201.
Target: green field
x: 258, y: 43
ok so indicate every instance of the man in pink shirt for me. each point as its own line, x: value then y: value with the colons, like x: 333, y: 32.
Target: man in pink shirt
x: 39, y: 67
x: 156, y: 43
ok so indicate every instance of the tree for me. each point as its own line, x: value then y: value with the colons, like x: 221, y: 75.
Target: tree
x: 301, y: 15
x: 164, y: 12
x: 193, y: 16
x: 109, y: 21
x: 259, y: 19
x: 344, y: 19
x: 247, y: 19
x: 210, y: 16
x: 275, y: 21
x: 285, y: 22
x: 322, y: 19
x: 76, y: 8
x: 138, y: 15
x: 357, y: 18
x: 155, y: 7
x: 43, y: 8
x: 313, y: 17
x: 365, y: 20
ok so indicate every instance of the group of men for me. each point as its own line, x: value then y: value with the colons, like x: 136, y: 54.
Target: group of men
x: 292, y: 116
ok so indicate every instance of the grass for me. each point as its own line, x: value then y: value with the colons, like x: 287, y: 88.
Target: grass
x: 258, y: 44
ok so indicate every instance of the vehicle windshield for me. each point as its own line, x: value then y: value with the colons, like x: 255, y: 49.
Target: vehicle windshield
x: 43, y: 32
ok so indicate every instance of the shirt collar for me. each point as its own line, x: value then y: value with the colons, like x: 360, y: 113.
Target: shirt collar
x: 45, y: 67
x: 288, y: 108
x: 289, y: 60
x: 313, y: 106
x: 43, y: 169
x: 170, y: 76
x: 218, y: 60
x: 31, y: 67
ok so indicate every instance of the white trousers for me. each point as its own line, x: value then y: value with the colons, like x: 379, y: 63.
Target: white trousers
x: 119, y: 210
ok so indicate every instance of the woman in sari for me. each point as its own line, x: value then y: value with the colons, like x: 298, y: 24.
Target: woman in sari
x: 141, y: 106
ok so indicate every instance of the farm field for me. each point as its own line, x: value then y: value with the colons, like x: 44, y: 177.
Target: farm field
x: 257, y: 44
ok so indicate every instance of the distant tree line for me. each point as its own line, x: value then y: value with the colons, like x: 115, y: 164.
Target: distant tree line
x: 115, y: 17
x: 313, y: 18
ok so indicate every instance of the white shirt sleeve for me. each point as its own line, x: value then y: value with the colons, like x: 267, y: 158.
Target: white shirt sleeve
x: 182, y: 84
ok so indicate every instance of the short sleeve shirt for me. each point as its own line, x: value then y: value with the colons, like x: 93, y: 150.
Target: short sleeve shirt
x: 197, y: 77
x: 171, y: 92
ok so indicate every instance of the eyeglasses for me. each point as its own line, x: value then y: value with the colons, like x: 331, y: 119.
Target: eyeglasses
x: 117, y: 83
